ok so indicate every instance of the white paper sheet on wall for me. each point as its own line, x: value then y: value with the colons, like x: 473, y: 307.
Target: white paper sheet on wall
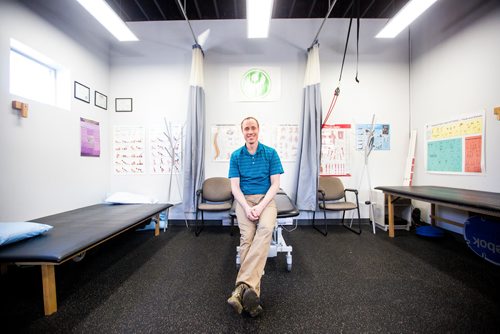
x: 165, y: 149
x: 224, y: 139
x: 286, y: 141
x: 128, y: 150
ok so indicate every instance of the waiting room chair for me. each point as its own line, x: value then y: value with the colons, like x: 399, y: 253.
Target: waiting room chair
x: 331, y: 191
x: 214, y: 196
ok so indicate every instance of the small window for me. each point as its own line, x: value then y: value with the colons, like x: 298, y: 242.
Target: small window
x: 34, y: 76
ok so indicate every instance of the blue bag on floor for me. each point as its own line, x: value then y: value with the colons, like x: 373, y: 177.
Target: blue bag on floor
x: 151, y: 225
x: 483, y: 237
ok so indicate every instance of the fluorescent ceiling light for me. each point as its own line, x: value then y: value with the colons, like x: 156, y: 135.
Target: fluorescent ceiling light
x: 404, y: 18
x: 258, y: 17
x: 109, y: 19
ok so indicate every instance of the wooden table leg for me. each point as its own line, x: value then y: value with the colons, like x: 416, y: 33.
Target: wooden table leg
x: 3, y: 268
x: 49, y: 289
x: 433, y: 214
x: 390, y: 206
x: 157, y: 225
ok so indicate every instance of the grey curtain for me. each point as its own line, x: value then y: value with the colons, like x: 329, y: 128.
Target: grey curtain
x: 309, y: 149
x: 194, y: 140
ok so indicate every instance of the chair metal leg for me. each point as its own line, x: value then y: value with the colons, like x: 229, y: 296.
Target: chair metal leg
x: 349, y: 227
x: 325, y: 232
x: 359, y: 220
x: 196, y: 222
x: 232, y: 226
x: 197, y: 230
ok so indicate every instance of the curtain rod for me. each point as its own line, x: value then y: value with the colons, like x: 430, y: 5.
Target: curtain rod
x: 315, y: 40
x: 189, y: 24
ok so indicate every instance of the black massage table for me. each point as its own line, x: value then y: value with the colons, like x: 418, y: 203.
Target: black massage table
x: 286, y: 209
x: 481, y: 202
x: 74, y: 233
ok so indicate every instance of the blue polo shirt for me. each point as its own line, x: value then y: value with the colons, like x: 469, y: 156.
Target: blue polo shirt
x: 255, y: 170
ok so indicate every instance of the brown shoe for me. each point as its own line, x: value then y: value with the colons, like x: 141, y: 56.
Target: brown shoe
x: 251, y: 302
x: 236, y: 297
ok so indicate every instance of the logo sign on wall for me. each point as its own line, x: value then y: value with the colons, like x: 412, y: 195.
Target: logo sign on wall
x: 483, y: 237
x: 254, y: 83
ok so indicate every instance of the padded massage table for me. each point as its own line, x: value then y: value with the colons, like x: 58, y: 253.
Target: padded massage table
x: 481, y: 202
x: 73, y: 233
x: 286, y: 209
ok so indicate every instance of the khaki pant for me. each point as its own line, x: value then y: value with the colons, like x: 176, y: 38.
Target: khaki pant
x: 254, y: 242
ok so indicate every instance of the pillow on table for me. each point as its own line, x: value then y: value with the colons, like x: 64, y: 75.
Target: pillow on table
x: 129, y: 198
x: 14, y: 231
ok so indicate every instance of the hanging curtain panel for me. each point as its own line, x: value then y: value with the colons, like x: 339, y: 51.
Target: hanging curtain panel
x: 309, y: 148
x: 194, y: 144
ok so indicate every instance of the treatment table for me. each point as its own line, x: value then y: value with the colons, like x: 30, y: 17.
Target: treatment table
x: 75, y: 232
x: 481, y: 202
x: 286, y: 209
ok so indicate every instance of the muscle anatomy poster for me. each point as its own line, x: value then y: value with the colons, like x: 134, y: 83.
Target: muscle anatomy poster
x: 335, y: 150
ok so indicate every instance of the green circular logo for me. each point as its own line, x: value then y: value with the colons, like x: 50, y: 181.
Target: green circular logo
x: 256, y: 83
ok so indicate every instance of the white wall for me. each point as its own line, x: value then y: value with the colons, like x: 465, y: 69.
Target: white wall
x: 455, y: 70
x: 155, y: 73
x: 41, y: 169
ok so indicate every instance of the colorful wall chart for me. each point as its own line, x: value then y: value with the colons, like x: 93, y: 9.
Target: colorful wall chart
x: 335, y: 150
x: 128, y: 150
x: 165, y: 153
x: 381, y: 136
x: 456, y: 146
x: 90, y: 141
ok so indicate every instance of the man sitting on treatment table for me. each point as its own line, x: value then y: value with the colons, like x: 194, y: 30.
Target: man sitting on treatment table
x: 254, y: 171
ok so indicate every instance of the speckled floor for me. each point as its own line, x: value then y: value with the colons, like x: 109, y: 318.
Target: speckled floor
x: 342, y: 283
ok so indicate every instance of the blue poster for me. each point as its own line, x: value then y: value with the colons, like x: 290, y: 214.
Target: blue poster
x: 381, y: 136
x: 444, y: 155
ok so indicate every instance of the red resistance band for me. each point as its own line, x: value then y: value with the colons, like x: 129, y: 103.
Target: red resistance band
x: 332, y: 105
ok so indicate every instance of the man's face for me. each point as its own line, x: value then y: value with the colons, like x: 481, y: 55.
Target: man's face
x: 250, y: 131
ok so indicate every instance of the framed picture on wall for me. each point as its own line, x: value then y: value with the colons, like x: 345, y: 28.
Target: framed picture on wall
x: 101, y: 100
x: 123, y: 104
x: 82, y: 92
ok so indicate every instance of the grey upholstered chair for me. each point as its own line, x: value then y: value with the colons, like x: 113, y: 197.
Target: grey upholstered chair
x: 332, y: 197
x: 215, y: 195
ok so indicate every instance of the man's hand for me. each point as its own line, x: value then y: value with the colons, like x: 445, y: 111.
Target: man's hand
x: 257, y: 210
x: 250, y: 213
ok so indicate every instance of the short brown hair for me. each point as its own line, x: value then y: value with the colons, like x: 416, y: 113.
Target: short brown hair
x: 248, y: 118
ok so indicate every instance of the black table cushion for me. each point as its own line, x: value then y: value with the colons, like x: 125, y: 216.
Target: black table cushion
x: 77, y: 230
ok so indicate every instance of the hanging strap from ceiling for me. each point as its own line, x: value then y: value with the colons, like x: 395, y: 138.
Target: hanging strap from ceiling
x: 337, y: 90
x: 357, y: 39
x: 183, y: 10
x: 315, y: 40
